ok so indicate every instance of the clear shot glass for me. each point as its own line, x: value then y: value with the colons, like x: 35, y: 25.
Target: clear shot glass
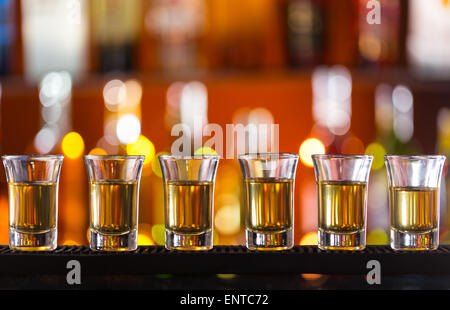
x: 269, y: 200
x: 189, y: 200
x: 414, y: 201
x: 114, y: 201
x: 33, y: 200
x: 342, y: 197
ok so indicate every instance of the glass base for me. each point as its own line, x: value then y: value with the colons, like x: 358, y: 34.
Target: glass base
x: 270, y: 241
x: 186, y: 242
x: 22, y: 241
x: 107, y: 242
x: 412, y: 241
x: 350, y: 241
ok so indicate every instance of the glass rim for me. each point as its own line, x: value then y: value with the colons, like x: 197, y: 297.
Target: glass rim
x: 415, y: 157
x: 341, y: 156
x: 268, y: 155
x: 32, y: 156
x: 113, y: 157
x: 189, y: 157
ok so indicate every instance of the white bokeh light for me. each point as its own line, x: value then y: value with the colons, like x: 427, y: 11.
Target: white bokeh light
x: 128, y: 128
x: 114, y: 94
x: 45, y: 140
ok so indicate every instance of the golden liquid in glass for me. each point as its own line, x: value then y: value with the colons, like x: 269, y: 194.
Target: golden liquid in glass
x: 114, y: 207
x: 269, y: 204
x: 342, y: 206
x: 189, y: 206
x: 32, y: 207
x: 414, y: 210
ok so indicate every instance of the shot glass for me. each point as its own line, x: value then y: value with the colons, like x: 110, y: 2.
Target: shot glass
x: 189, y: 200
x: 342, y: 197
x: 414, y: 201
x: 269, y: 200
x: 33, y: 200
x: 114, y: 201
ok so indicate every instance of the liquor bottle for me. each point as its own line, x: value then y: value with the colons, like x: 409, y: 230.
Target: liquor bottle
x: 115, y: 26
x: 176, y: 29
x: 305, y: 31
x: 245, y: 34
x: 54, y: 37
x: 7, y: 30
x: 379, y: 43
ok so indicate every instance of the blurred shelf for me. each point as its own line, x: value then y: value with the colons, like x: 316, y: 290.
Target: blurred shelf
x: 148, y: 260
x: 93, y: 82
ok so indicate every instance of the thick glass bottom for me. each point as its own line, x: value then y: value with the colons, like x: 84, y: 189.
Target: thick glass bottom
x: 350, y: 241
x: 270, y: 241
x: 109, y: 242
x: 414, y: 241
x: 189, y: 242
x: 23, y: 241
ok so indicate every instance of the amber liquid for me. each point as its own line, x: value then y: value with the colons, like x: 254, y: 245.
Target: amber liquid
x: 342, y: 206
x: 189, y: 207
x: 269, y: 205
x: 414, y: 210
x: 114, y: 207
x: 32, y: 207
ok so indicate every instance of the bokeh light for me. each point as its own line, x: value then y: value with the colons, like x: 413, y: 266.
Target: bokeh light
x: 205, y: 150
x: 310, y: 238
x: 72, y: 145
x: 128, y: 128
x: 310, y: 147
x: 142, y: 146
x: 70, y: 242
x: 114, y: 94
x: 97, y: 151
x: 228, y: 220
x: 159, y: 234
x: 377, y: 236
x: 377, y: 151
x: 45, y: 140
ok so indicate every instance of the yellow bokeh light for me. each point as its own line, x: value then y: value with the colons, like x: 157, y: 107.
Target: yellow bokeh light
x: 156, y: 166
x: 72, y: 145
x: 309, y: 239
x: 226, y: 276
x: 145, y: 239
x: 377, y: 236
x: 159, y: 234
x: 228, y: 220
x: 309, y: 147
x: 70, y: 242
x: 142, y: 146
x: 378, y: 151
x: 205, y: 150
x: 98, y: 151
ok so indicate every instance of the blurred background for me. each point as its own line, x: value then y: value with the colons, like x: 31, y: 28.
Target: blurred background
x: 113, y: 76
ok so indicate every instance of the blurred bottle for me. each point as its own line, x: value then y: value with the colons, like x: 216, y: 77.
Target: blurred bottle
x: 428, y: 43
x: 305, y: 26
x: 175, y: 31
x: 246, y: 34
x: 54, y: 37
x: 7, y: 31
x: 379, y: 44
x: 115, y: 27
